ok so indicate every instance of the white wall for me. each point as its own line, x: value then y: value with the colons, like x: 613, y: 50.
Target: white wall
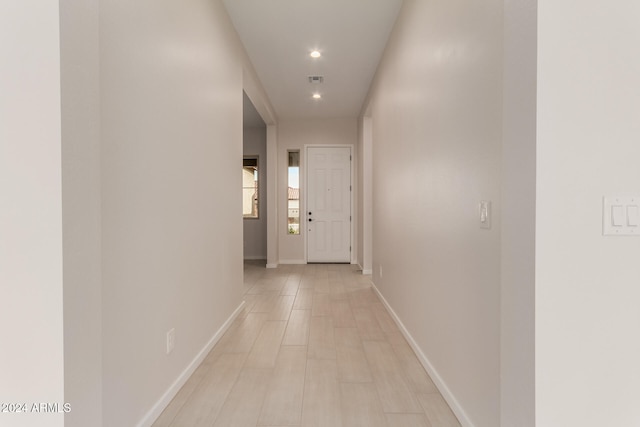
x: 31, y: 358
x: 517, y: 361
x: 81, y: 206
x: 587, y: 285
x: 255, y: 230
x: 294, y: 135
x: 272, y: 197
x: 436, y: 107
x: 171, y: 111
x: 364, y: 203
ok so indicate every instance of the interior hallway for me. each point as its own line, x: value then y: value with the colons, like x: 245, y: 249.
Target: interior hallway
x: 312, y: 346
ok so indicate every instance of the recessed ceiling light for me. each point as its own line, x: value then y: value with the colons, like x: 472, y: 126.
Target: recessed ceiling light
x: 315, y: 54
x: 317, y: 96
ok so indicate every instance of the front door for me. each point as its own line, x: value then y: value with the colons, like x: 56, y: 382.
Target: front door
x: 329, y: 204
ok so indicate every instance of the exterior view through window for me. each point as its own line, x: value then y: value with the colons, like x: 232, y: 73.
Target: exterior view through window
x: 250, y: 187
x: 293, y: 199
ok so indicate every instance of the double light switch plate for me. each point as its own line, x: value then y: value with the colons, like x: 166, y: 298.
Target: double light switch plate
x: 621, y: 216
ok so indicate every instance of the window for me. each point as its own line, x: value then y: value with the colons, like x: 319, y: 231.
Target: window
x: 250, y: 187
x: 293, y: 199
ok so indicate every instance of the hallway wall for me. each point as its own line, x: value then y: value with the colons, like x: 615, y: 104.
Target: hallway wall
x: 81, y: 209
x: 31, y: 284
x: 517, y: 316
x: 587, y: 284
x: 364, y: 195
x: 436, y: 108
x: 171, y: 87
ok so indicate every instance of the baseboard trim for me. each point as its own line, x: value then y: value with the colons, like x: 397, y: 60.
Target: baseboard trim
x: 433, y: 373
x: 364, y: 272
x: 293, y: 261
x: 156, y: 410
x: 272, y: 265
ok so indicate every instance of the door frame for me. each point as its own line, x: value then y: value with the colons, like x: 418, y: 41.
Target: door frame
x: 352, y: 256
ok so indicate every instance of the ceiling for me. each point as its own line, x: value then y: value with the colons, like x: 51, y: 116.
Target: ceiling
x: 279, y: 35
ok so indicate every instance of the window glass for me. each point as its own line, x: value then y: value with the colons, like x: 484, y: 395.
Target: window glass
x: 250, y: 187
x: 293, y: 193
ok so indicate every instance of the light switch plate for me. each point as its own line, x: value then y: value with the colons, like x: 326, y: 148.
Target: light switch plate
x: 620, y: 216
x: 485, y: 213
x: 171, y: 340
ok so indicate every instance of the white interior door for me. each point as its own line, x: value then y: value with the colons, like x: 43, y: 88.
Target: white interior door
x: 329, y: 204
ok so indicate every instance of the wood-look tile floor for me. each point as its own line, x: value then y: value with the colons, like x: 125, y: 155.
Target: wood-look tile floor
x: 313, y: 346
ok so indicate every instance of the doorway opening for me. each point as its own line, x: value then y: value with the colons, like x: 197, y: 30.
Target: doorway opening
x: 254, y: 178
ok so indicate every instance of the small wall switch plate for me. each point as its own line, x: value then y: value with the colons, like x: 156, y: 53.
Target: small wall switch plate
x: 485, y: 213
x: 620, y: 216
x: 171, y: 340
